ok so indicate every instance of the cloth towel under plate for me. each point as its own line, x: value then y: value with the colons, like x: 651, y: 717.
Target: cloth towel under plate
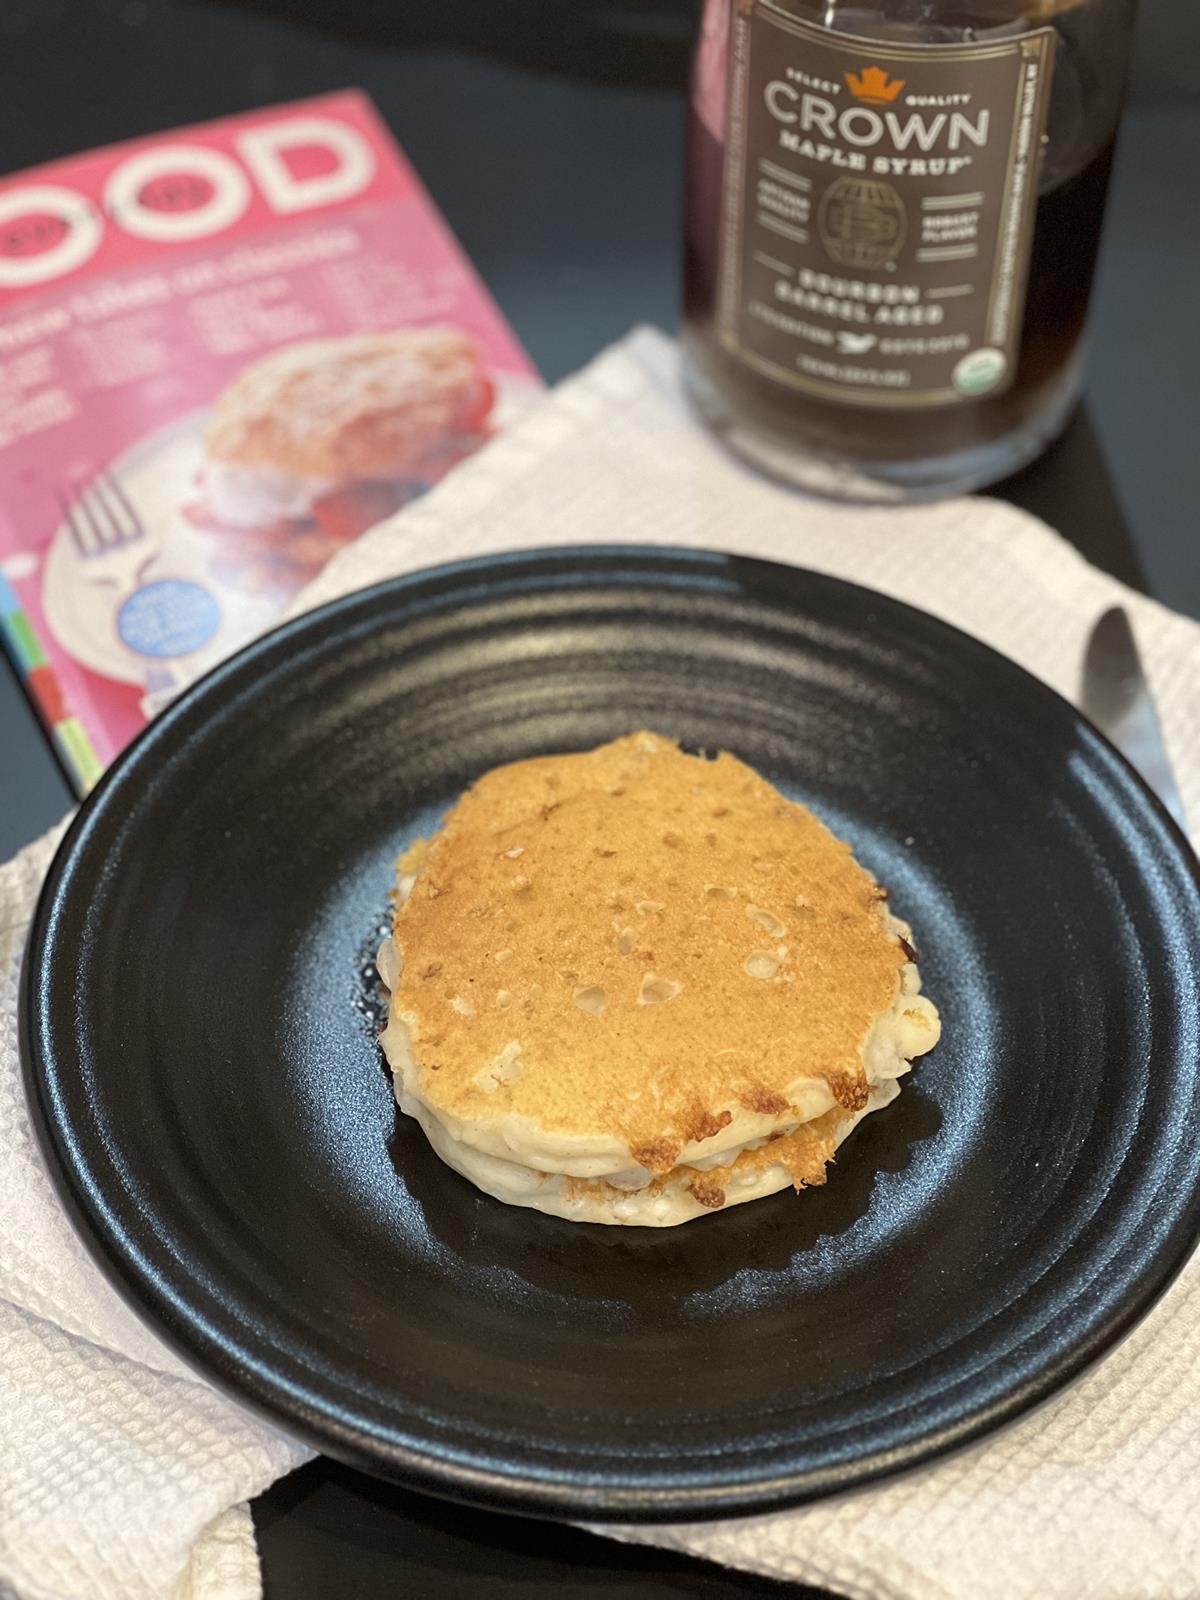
x: 123, y: 1476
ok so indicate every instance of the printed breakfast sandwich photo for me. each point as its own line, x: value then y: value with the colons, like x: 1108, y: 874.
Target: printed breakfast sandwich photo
x: 312, y: 444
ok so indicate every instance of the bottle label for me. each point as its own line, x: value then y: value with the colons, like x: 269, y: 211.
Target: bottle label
x: 879, y: 207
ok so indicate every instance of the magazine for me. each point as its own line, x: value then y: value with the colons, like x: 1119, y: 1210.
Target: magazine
x: 224, y: 353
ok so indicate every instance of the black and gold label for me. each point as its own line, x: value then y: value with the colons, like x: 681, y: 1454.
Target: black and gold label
x: 879, y: 208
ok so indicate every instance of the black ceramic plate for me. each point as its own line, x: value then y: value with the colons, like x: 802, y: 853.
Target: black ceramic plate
x: 201, y: 1050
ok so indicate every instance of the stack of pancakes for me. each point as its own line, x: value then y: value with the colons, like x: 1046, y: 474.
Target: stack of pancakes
x: 637, y: 986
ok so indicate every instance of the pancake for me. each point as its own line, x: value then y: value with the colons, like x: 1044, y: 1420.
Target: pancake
x: 635, y: 967
x: 797, y: 1159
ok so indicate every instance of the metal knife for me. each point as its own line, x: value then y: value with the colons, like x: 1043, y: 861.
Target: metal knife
x: 1116, y: 696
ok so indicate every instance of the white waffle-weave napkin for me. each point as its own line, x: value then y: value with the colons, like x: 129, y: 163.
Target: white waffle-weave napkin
x: 122, y: 1475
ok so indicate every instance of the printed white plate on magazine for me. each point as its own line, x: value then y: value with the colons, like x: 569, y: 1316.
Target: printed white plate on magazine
x: 128, y: 531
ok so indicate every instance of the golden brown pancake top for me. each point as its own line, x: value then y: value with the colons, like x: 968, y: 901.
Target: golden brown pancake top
x: 666, y: 939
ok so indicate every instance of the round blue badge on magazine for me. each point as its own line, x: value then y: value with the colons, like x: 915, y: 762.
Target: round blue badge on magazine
x: 169, y: 617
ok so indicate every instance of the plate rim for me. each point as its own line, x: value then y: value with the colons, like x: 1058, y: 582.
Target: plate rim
x: 527, y: 1492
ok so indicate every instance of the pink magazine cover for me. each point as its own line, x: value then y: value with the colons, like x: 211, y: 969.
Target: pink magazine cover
x: 225, y: 352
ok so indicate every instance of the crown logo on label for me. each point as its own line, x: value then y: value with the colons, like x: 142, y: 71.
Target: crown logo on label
x: 874, y: 86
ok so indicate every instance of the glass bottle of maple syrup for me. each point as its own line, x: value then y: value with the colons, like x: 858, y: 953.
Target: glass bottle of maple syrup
x: 893, y: 214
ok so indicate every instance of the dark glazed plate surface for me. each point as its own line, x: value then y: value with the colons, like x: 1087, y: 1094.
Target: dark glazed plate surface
x: 200, y: 1048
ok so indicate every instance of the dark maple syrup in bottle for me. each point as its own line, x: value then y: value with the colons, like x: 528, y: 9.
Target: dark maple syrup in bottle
x: 894, y: 209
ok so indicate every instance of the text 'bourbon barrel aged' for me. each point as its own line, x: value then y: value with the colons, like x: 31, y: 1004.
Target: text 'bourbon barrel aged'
x: 893, y: 214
